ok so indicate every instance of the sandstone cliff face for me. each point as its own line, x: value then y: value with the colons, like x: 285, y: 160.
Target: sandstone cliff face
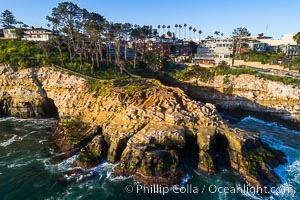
x: 251, y: 93
x: 146, y: 127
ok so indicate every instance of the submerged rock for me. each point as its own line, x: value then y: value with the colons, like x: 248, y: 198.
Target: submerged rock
x: 148, y: 128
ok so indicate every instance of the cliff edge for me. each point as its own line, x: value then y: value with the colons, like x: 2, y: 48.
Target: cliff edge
x: 152, y: 131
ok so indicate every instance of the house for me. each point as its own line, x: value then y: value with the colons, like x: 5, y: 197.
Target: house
x: 258, y: 46
x: 38, y: 34
x: 205, y: 55
x: 184, y: 48
x: 290, y: 51
x: 285, y: 44
x: 212, y: 51
x: 10, y: 32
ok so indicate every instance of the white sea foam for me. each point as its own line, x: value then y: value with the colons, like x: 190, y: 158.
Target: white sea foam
x: 185, y: 179
x: 62, y: 166
x: 294, y: 171
x: 285, y: 191
x: 42, y: 141
x: 269, y: 124
x: 14, y: 165
x: 9, y: 141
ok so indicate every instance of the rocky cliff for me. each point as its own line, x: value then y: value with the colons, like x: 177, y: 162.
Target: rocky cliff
x: 152, y: 131
x: 248, y: 92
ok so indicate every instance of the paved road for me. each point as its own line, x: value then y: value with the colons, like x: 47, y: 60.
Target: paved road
x: 276, y: 72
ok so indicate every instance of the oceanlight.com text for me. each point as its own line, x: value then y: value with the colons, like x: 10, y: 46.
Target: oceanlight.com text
x: 208, y: 189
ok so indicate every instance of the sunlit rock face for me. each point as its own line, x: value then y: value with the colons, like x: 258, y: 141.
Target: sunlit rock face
x: 248, y: 92
x: 152, y: 131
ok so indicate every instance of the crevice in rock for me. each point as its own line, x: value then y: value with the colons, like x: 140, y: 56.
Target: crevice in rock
x: 219, y: 151
x: 48, y: 106
x: 189, y: 154
x: 5, y: 104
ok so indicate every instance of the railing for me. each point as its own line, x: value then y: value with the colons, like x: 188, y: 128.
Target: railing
x: 90, y: 77
x: 73, y: 72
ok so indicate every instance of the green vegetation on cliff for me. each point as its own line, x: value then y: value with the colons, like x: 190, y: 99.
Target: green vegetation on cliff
x: 87, y: 155
x: 186, y: 73
x: 21, y: 54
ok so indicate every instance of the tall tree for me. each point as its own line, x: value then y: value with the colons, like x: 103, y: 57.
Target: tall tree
x: 199, y: 32
x: 68, y: 18
x: 180, y: 26
x: 296, y: 37
x: 146, y: 33
x: 240, y: 32
x: 260, y: 35
x: 185, y: 25
x: 163, y: 27
x: 194, y: 30
x: 126, y: 28
x: 155, y: 32
x: 136, y: 35
x: 46, y: 48
x: 176, y: 26
x: 94, y: 25
x: 168, y: 27
x: 237, y: 35
x: 158, y: 27
x: 217, y: 33
x: 190, y: 30
x: 58, y: 42
x: 7, y: 19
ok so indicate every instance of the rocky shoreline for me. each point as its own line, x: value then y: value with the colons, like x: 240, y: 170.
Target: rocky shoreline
x: 246, y: 92
x: 147, y: 128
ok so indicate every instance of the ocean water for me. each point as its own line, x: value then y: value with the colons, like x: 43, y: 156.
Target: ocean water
x: 26, y: 171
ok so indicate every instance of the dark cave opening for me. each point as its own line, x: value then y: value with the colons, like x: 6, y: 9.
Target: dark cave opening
x: 219, y: 151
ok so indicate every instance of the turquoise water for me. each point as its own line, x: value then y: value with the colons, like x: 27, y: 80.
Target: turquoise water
x: 27, y: 173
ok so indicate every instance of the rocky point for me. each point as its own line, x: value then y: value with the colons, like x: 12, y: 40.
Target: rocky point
x: 153, y: 132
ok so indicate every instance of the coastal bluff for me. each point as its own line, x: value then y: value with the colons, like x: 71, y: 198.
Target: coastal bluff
x: 153, y: 132
x: 247, y: 92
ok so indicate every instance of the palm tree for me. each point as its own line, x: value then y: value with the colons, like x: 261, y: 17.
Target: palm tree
x: 168, y: 27
x: 185, y: 25
x: 260, y: 35
x: 190, y: 29
x: 176, y: 26
x: 194, y: 30
x: 200, y: 32
x: 158, y: 27
x: 180, y: 26
x: 163, y: 27
x: 217, y: 33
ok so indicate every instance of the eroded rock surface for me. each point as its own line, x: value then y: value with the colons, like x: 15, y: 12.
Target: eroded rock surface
x: 248, y: 92
x: 147, y: 128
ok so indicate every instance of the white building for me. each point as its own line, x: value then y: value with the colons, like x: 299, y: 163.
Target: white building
x: 10, y: 33
x: 286, y: 39
x: 212, y: 51
x: 285, y: 44
x: 38, y: 34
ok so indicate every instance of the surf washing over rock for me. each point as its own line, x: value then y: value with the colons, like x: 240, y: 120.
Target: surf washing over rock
x: 153, y: 132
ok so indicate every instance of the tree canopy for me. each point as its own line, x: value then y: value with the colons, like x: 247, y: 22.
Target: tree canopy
x: 297, y: 38
x: 7, y: 19
x: 241, y: 32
